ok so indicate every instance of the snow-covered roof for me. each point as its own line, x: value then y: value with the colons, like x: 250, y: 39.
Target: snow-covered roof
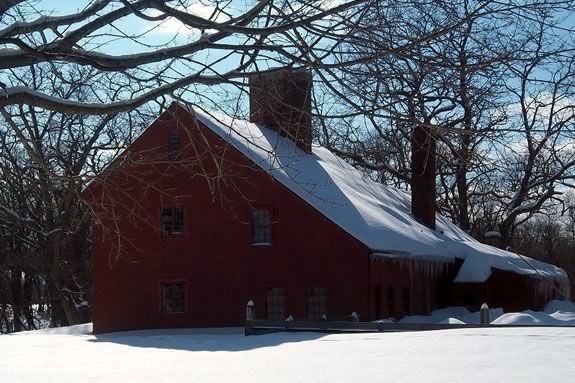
x: 376, y: 215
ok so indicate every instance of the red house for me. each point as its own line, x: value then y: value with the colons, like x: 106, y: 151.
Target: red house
x: 203, y: 213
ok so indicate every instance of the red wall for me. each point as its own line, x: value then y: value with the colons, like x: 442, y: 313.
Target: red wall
x: 222, y: 269
x: 421, y: 280
x: 510, y: 291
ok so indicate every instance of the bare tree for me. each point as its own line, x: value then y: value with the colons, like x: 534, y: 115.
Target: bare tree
x: 540, y: 161
x: 465, y: 87
x: 45, y: 160
x: 209, y: 43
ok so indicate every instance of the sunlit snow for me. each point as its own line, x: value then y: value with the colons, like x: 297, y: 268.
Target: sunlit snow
x: 526, y: 355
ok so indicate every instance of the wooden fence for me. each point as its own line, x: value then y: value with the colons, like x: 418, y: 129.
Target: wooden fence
x: 264, y: 326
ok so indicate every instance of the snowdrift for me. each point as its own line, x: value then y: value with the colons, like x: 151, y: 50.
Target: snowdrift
x: 555, y: 313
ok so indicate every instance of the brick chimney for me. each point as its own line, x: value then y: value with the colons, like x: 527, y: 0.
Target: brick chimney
x: 423, y: 163
x: 281, y: 100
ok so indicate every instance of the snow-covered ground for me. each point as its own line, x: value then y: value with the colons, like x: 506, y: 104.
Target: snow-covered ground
x: 526, y: 355
x: 224, y: 355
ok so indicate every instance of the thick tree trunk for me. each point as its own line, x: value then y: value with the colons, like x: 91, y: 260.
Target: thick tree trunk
x: 64, y: 311
x: 27, y: 308
x: 506, y: 231
x: 17, y: 299
x: 72, y: 314
x: 57, y: 313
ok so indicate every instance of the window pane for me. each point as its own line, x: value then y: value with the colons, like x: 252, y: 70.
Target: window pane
x: 179, y: 221
x: 173, y: 297
x: 167, y: 221
x: 173, y: 146
x: 172, y: 222
x: 261, y: 226
x: 275, y: 303
x: 316, y: 303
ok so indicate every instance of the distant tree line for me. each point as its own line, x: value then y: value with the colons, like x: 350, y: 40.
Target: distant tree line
x: 550, y: 238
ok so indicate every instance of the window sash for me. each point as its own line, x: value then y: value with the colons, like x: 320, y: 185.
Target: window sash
x: 276, y: 303
x: 172, y: 222
x: 262, y: 226
x: 316, y: 306
x: 173, y: 297
x: 178, y: 221
x: 173, y: 146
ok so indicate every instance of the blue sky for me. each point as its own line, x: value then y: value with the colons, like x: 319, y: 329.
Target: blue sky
x: 154, y: 36
x: 157, y: 34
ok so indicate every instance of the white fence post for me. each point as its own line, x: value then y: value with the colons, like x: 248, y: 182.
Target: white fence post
x: 250, y: 310
x: 484, y: 314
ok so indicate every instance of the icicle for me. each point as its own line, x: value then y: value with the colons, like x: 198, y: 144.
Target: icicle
x: 430, y: 270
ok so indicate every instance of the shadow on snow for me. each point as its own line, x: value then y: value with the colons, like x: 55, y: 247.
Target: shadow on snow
x: 211, y: 339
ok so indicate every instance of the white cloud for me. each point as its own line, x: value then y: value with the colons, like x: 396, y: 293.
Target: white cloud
x: 174, y: 26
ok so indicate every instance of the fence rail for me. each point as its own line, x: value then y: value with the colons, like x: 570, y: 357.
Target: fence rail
x: 255, y: 326
x: 264, y: 326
